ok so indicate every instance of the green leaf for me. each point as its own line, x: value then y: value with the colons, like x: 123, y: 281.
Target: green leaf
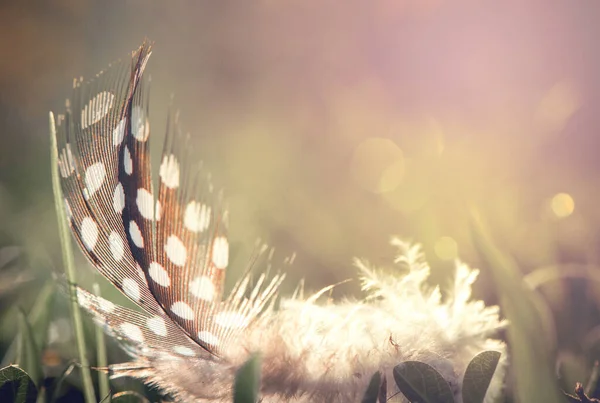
x: 16, y: 386
x: 247, y: 381
x: 478, y: 376
x: 28, y: 354
x: 421, y: 383
x: 372, y: 392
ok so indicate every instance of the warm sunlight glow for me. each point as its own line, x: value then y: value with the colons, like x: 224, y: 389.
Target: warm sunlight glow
x: 408, y: 202
x: 562, y: 205
x: 557, y: 106
x: 378, y: 165
x: 446, y: 248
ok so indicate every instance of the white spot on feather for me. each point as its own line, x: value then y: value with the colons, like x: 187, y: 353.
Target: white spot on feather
x: 131, y: 288
x: 94, y: 178
x: 203, y: 288
x: 184, y: 351
x: 159, y: 274
x: 220, y: 252
x: 145, y: 203
x: 96, y: 109
x: 169, y: 171
x: 127, y: 161
x: 176, y: 250
x: 119, y: 133
x: 140, y: 126
x: 136, y: 234
x: 119, y: 199
x: 89, y: 233
x: 105, y: 305
x: 131, y: 331
x: 208, y: 338
x: 183, y: 310
x: 66, y: 164
x: 115, y: 242
x: 157, y: 325
x: 197, y: 216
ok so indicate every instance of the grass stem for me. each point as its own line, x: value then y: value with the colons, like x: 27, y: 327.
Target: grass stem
x: 102, y: 361
x: 68, y: 260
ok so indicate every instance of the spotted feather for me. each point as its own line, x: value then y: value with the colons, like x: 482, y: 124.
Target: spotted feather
x: 169, y: 256
x: 169, y: 252
x: 91, y: 164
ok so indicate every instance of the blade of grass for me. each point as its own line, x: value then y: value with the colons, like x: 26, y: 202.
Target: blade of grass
x: 593, y: 381
x: 104, y: 387
x: 28, y: 353
x: 68, y: 260
x: 530, y: 337
x: 41, y: 398
x: 57, y: 384
x: 38, y: 317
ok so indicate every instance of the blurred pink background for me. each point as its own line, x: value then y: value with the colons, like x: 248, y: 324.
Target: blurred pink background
x: 335, y: 125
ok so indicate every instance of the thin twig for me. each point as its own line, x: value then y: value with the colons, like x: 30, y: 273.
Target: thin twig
x: 582, y: 396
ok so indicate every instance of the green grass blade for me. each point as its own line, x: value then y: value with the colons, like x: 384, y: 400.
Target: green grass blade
x: 28, y: 353
x: 590, y: 386
x: 529, y: 335
x: 39, y: 315
x: 41, y: 398
x: 103, y: 384
x: 69, y: 262
x: 58, y: 382
x: 39, y: 318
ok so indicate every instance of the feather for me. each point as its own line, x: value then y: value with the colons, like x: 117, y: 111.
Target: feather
x: 170, y: 256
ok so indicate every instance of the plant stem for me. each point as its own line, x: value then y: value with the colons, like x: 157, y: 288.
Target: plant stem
x: 102, y: 361
x: 68, y: 260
